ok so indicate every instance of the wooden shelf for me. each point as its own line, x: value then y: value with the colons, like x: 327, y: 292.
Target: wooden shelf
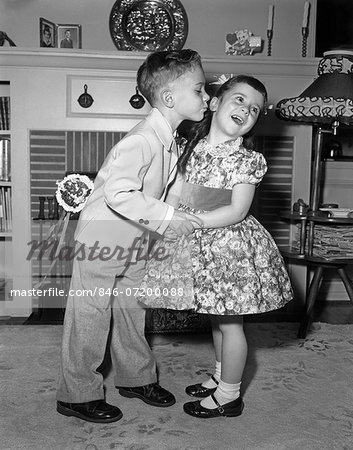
x: 127, y: 60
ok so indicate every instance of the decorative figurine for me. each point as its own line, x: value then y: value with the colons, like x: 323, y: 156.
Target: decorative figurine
x: 300, y: 207
x: 242, y: 42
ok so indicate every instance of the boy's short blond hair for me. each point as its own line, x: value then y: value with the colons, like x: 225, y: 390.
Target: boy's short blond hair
x: 160, y: 68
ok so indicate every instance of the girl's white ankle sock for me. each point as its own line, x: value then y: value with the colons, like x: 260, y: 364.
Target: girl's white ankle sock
x: 224, y: 393
x: 210, y: 384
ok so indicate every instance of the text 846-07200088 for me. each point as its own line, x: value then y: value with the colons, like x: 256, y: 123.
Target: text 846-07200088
x: 142, y: 292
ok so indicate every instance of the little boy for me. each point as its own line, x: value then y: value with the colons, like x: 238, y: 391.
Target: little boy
x: 125, y: 206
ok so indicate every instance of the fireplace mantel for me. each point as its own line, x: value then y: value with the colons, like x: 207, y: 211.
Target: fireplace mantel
x: 130, y: 61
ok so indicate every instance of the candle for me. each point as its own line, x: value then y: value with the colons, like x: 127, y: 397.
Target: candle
x: 306, y: 14
x: 270, y: 17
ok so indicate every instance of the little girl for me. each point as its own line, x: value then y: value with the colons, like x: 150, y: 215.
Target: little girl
x: 236, y: 265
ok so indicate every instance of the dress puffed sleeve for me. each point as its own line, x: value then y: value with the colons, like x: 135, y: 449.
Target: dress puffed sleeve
x: 250, y: 169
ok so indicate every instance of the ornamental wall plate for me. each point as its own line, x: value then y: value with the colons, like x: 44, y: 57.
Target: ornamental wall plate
x: 148, y: 25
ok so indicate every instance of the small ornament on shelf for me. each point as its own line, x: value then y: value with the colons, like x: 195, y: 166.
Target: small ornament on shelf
x: 242, y: 42
x: 300, y: 207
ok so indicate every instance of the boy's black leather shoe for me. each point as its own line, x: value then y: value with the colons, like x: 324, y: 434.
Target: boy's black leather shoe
x: 97, y: 411
x: 152, y: 394
x: 231, y: 409
x: 197, y: 390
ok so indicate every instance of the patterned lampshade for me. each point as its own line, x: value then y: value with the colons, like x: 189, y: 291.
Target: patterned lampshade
x: 329, y: 97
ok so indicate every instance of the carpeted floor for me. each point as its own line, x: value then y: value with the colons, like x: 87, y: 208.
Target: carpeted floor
x: 298, y: 394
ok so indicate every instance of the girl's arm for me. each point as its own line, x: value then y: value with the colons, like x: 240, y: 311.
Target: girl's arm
x: 242, y: 198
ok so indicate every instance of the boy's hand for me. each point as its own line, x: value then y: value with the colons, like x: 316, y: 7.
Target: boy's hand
x: 182, y: 223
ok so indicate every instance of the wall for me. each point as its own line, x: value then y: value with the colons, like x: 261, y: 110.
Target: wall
x: 209, y: 22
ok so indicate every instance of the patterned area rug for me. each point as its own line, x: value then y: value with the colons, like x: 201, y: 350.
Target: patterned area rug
x: 298, y: 394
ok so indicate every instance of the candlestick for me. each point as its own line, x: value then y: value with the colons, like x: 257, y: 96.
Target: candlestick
x: 270, y: 17
x: 51, y: 211
x: 306, y: 15
x: 41, y: 214
x: 305, y: 34
x: 269, y: 42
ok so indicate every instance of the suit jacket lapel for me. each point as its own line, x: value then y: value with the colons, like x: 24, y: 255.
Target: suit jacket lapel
x: 173, y: 162
x: 170, y: 149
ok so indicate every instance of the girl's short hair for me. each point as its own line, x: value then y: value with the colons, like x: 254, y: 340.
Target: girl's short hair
x: 162, y: 67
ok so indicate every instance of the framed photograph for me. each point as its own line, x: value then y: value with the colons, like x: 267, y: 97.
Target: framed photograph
x: 47, y: 33
x: 68, y: 36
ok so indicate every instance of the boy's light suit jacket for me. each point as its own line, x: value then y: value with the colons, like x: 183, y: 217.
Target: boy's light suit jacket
x: 130, y: 187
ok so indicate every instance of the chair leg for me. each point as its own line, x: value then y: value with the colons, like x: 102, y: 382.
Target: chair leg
x: 346, y: 281
x: 310, y: 301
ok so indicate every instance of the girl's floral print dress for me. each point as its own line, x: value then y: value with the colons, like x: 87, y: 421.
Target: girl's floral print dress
x: 236, y: 269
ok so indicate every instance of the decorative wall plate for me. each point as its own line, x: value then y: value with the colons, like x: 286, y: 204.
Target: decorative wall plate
x: 148, y: 25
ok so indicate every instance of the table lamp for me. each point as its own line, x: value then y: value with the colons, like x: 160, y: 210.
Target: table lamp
x: 327, y: 102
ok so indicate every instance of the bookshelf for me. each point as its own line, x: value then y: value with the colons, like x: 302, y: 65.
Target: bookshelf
x: 6, y: 272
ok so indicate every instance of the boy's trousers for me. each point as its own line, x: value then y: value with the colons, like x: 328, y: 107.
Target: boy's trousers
x: 91, y: 313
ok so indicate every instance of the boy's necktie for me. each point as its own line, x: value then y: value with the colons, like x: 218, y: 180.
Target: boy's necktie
x: 174, y: 148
